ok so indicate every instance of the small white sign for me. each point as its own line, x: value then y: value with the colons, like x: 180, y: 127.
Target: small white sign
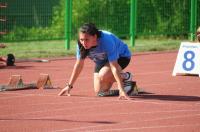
x: 188, y: 59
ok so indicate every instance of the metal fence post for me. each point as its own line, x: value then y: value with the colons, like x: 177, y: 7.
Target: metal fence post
x: 193, y: 19
x: 133, y: 16
x: 68, y: 23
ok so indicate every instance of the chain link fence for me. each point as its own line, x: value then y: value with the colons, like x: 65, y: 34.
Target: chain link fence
x: 45, y: 19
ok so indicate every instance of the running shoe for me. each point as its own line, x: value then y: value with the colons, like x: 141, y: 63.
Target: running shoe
x: 129, y: 78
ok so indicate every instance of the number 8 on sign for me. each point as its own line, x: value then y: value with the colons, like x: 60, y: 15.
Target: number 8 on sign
x: 188, y: 59
x: 188, y: 63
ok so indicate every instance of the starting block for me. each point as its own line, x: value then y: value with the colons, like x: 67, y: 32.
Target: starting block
x: 44, y: 82
x: 15, y: 82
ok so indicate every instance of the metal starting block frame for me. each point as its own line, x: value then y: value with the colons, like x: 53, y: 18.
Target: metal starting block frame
x: 16, y: 83
x: 44, y: 81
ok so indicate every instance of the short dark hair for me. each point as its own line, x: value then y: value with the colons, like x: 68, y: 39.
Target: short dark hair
x: 90, y: 29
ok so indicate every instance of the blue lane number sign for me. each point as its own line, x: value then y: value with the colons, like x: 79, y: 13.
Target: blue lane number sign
x: 188, y: 59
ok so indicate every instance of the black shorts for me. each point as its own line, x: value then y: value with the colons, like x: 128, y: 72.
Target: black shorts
x: 122, y: 61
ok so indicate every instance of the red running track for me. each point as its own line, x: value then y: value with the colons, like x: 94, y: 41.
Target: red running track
x: 170, y: 104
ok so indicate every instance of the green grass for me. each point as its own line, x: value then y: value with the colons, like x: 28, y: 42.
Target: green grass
x: 143, y: 45
x: 38, y: 49
x: 50, y: 49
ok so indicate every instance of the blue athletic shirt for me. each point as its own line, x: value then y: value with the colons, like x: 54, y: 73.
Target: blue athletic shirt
x: 109, y: 48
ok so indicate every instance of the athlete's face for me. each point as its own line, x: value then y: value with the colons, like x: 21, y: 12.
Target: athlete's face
x: 87, y: 40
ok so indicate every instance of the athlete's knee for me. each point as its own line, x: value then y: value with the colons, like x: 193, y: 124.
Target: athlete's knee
x: 104, y: 78
x: 96, y: 90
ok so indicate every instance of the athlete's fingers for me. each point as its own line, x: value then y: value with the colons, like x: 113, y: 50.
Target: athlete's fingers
x: 124, y: 97
x: 64, y: 90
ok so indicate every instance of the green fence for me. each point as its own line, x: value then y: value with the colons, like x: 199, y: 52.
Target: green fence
x: 59, y: 19
x: 28, y: 20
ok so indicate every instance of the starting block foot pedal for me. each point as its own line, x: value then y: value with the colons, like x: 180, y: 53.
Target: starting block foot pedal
x: 15, y: 82
x: 44, y: 82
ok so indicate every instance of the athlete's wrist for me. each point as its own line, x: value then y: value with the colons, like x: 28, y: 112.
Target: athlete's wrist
x: 69, y: 85
x: 121, y: 90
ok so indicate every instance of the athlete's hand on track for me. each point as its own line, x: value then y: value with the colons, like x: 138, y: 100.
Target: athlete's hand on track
x: 64, y: 90
x: 123, y: 96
